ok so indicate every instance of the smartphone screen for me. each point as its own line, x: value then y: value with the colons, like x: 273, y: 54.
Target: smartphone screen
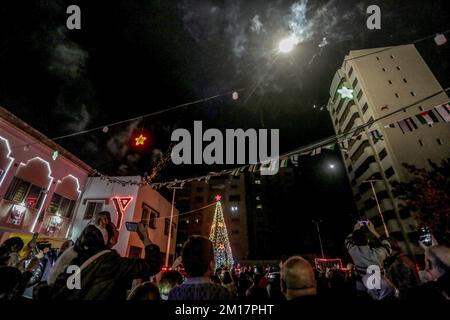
x: 131, y: 226
x: 425, y: 236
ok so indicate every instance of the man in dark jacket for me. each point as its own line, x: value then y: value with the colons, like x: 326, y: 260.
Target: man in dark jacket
x: 104, y: 274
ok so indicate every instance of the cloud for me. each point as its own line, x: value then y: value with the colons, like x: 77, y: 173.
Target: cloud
x: 119, y: 143
x: 256, y: 25
x: 66, y: 59
x: 79, y: 120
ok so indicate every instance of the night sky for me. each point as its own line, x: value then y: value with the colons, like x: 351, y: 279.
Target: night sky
x: 133, y: 57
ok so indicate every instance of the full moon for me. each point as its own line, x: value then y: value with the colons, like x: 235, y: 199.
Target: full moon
x: 286, y: 45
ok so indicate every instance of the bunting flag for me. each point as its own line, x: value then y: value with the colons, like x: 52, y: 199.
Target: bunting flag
x: 329, y: 147
x: 427, y: 117
x: 284, y: 163
x: 391, y: 125
x: 294, y: 159
x: 407, y: 125
x: 444, y: 112
x: 316, y: 151
x: 236, y: 172
x: 243, y: 169
x: 376, y: 135
x: 251, y: 168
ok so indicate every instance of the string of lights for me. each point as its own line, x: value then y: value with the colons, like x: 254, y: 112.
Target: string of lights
x: 105, y: 127
x: 305, y: 149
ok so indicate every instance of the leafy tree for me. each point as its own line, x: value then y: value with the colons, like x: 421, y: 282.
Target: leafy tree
x: 427, y: 195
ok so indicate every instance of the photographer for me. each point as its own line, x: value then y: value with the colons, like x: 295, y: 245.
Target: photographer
x: 364, y: 255
x: 104, y: 274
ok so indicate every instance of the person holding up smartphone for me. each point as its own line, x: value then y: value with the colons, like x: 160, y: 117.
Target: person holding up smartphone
x: 435, y: 277
x: 365, y: 256
x: 104, y: 274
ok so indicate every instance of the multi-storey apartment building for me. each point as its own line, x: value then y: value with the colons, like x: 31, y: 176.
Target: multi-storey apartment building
x: 386, y: 80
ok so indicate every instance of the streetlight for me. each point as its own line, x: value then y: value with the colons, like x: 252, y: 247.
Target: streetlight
x: 331, y: 166
x: 378, y: 204
x: 320, y: 238
x: 170, y: 225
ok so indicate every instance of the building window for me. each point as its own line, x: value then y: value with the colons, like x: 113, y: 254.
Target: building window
x: 397, y: 95
x: 350, y: 72
x: 389, y: 172
x: 392, y: 57
x: 234, y: 198
x: 234, y: 209
x: 364, y: 187
x: 365, y: 107
x: 61, y: 205
x: 351, y: 122
x: 413, y: 93
x: 358, y: 153
x: 420, y: 108
x: 153, y: 216
x: 405, y: 81
x: 199, y: 199
x: 439, y: 141
x: 378, y: 58
x: 384, y: 69
x: 199, y: 189
x: 355, y: 82
x: 398, y: 68
x: 259, y: 206
x: 257, y: 181
x: 21, y: 191
x: 235, y: 232
x: 234, y: 186
x: 359, y: 95
x: 383, y: 154
x: 421, y: 143
x: 135, y: 252
x: 166, y: 226
x: 339, y: 107
x: 92, y: 208
x: 390, y: 82
x: 364, y: 166
x: 145, y: 216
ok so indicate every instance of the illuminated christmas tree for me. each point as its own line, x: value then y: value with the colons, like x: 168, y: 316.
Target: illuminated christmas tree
x: 219, y: 238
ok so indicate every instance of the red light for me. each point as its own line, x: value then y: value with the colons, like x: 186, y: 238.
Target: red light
x: 121, y: 203
x: 140, y: 139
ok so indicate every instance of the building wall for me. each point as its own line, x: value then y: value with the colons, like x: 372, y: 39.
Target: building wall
x: 98, y: 190
x: 23, y: 156
x: 384, y: 82
x: 153, y: 199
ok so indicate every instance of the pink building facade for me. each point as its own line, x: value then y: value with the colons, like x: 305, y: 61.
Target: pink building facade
x: 40, y: 182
